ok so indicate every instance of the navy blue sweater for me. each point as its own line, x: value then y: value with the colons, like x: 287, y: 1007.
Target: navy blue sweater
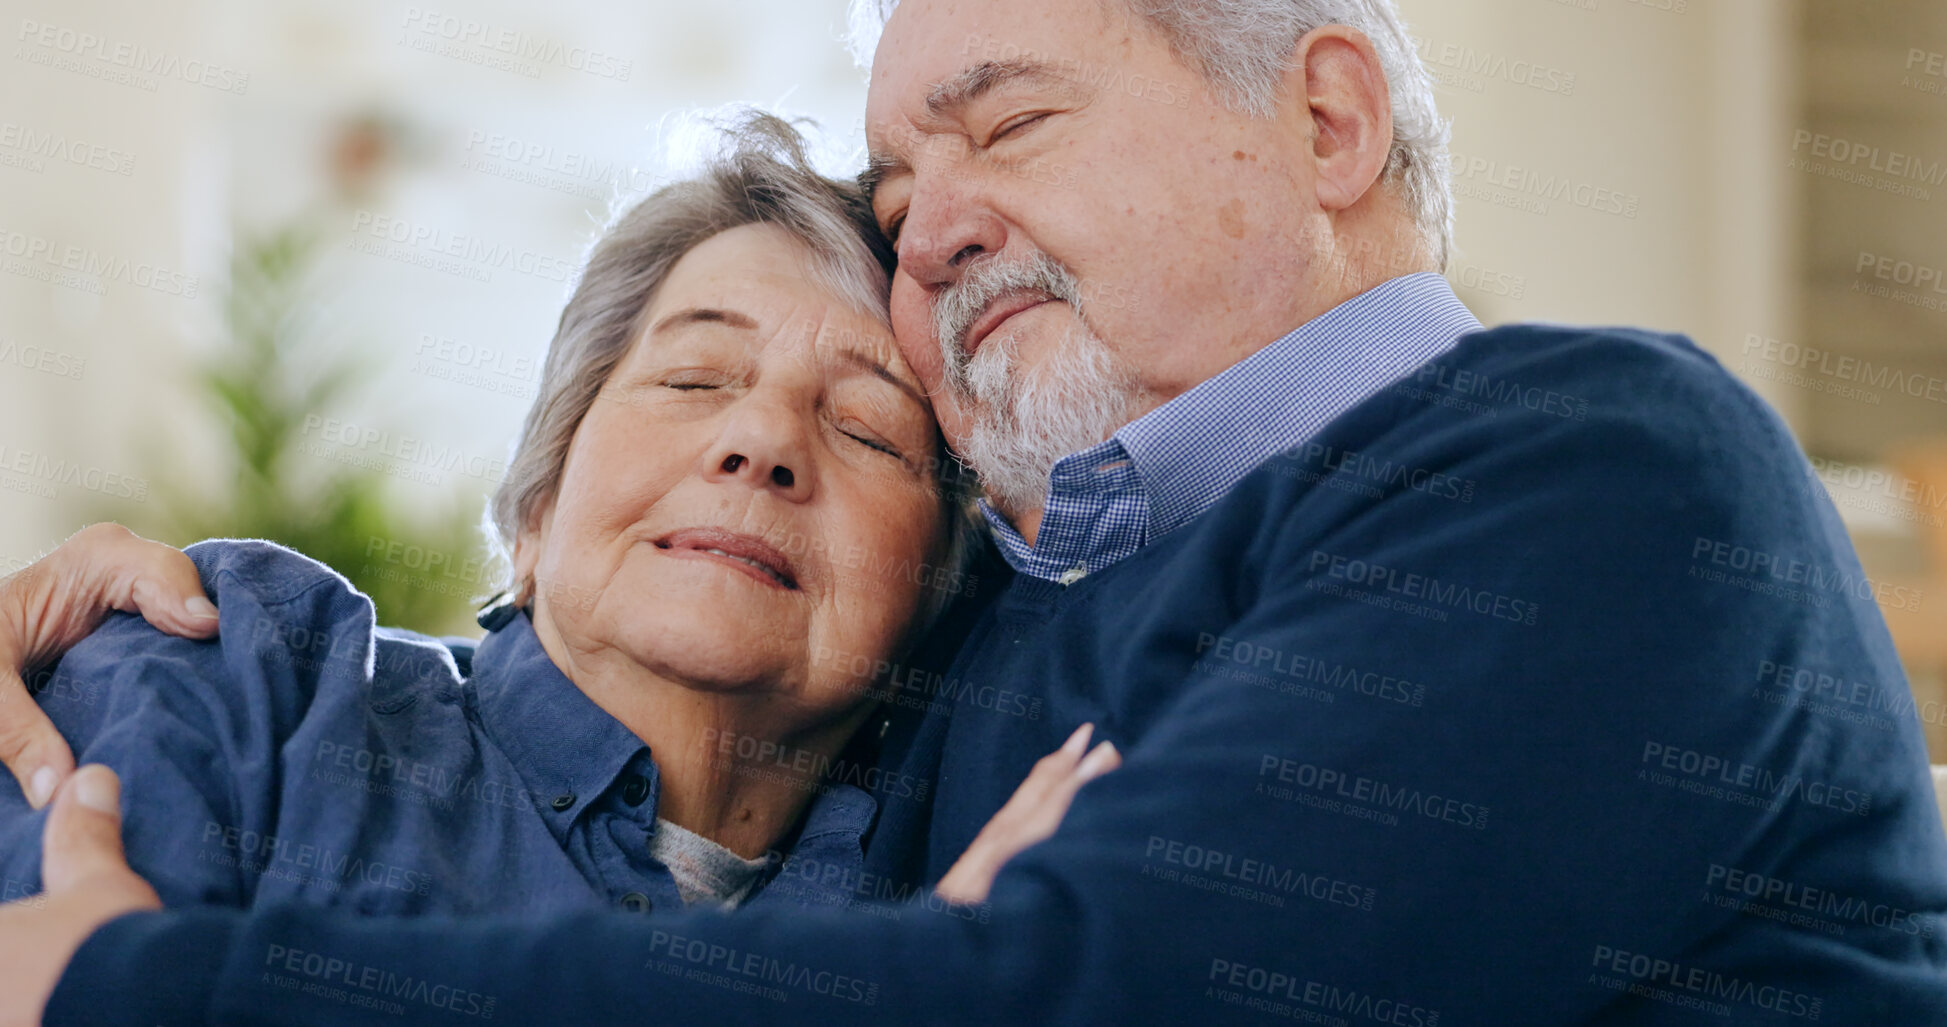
x: 1543, y: 687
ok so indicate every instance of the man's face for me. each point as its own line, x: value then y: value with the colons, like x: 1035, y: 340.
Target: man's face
x: 1076, y: 216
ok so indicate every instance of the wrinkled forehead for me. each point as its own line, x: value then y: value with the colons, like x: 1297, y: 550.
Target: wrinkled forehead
x: 756, y: 286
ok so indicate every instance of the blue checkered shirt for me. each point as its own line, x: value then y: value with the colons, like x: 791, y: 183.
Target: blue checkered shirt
x: 1166, y: 467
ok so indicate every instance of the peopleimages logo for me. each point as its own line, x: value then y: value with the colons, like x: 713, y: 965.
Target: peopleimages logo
x: 1891, y: 163
x: 1359, y: 465
x: 1710, y: 775
x: 56, y: 146
x: 759, y: 969
x: 457, y: 254
x: 39, y: 250
x: 1739, y: 884
x: 1698, y: 985
x: 1424, y: 589
x: 1357, y: 788
x: 1314, y: 995
x: 1310, y: 669
x: 1772, y: 568
x: 740, y: 754
x: 370, y: 986
x: 1527, y: 182
x: 128, y: 63
x: 505, y: 49
x: 1262, y: 874
x: 1468, y: 68
x: 1846, y: 368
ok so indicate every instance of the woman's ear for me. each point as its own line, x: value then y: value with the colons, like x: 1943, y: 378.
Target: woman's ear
x: 527, y: 550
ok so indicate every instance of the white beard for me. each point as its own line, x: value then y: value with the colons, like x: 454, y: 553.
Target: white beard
x: 1028, y: 421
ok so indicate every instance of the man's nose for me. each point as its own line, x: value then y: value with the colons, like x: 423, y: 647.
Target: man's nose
x: 763, y: 445
x: 946, y: 229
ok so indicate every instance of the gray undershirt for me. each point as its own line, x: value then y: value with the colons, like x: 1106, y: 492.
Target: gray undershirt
x: 704, y: 871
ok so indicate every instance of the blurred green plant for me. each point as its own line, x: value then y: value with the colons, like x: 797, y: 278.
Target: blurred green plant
x: 263, y: 389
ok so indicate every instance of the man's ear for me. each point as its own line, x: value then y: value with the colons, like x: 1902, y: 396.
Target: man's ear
x: 1337, y: 72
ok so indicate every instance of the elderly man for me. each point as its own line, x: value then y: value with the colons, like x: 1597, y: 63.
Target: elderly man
x: 1462, y: 675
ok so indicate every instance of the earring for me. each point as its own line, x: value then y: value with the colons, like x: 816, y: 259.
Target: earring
x: 498, y: 613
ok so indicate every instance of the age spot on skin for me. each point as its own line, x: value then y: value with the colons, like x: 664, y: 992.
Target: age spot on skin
x: 1231, y: 219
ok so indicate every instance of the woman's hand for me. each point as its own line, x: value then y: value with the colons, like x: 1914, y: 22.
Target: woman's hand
x: 1030, y: 816
x: 48, y: 607
x: 88, y: 883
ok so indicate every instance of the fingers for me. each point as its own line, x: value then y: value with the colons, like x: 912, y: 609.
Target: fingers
x: 139, y: 576
x: 1030, y: 816
x: 55, y: 603
x: 1048, y: 808
x: 29, y: 744
x: 1104, y: 759
x: 83, y: 836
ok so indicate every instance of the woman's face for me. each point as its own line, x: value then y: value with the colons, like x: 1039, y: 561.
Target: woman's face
x: 751, y: 501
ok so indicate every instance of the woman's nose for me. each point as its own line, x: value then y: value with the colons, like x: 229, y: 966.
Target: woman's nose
x: 763, y: 447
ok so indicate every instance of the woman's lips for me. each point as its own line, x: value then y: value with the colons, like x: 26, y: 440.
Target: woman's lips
x: 997, y: 314
x: 747, y: 554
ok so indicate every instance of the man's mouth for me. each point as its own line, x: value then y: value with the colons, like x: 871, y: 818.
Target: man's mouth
x: 747, y: 554
x: 998, y: 312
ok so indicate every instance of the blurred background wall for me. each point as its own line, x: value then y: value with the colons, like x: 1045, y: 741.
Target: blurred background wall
x: 290, y: 267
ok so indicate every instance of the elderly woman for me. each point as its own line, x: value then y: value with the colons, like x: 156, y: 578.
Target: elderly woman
x: 661, y: 711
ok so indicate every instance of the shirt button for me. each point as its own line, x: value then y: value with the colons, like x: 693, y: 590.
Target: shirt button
x: 563, y: 801
x: 635, y: 788
x: 636, y: 902
x: 1073, y: 574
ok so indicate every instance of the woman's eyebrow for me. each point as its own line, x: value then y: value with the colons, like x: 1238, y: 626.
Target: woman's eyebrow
x: 705, y: 315
x: 880, y: 371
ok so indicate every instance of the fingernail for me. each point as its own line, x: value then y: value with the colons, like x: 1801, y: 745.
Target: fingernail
x: 1099, y: 762
x: 98, y: 790
x: 42, y: 786
x: 200, y: 608
x: 1078, y: 741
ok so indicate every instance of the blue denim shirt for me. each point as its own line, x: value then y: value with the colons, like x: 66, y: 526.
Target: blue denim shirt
x: 307, y: 756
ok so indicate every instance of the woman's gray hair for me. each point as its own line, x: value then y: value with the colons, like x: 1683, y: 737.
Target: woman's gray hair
x: 1242, y: 47
x: 760, y: 175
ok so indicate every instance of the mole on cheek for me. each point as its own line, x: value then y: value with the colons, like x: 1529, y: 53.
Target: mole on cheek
x: 1231, y: 219
x: 1236, y: 155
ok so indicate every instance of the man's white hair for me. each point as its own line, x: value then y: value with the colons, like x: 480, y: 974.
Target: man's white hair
x: 1241, y: 47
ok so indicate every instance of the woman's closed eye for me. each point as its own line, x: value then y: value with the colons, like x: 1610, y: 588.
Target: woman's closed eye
x: 695, y: 380
x: 870, y: 441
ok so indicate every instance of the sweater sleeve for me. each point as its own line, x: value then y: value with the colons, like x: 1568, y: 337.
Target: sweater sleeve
x: 1510, y: 844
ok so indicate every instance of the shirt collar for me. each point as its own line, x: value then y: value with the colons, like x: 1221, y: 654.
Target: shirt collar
x: 1186, y: 454
x: 563, y: 744
x: 565, y: 748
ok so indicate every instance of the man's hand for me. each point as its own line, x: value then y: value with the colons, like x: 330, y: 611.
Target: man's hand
x: 1030, y: 816
x: 47, y: 608
x: 88, y: 883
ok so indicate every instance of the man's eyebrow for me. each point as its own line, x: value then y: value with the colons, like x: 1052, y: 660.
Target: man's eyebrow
x: 946, y: 99
x: 704, y: 315
x: 880, y: 371
x: 976, y: 81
